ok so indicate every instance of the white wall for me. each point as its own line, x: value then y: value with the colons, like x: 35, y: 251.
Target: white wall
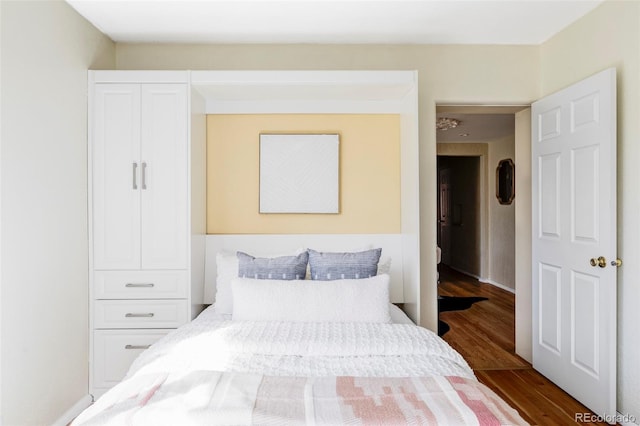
x: 502, y: 220
x: 523, y: 235
x: 46, y: 51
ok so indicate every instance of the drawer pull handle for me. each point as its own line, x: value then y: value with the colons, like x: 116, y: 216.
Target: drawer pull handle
x: 130, y: 315
x: 139, y: 285
x: 137, y: 346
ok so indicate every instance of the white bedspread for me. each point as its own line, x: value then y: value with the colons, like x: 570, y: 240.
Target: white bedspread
x: 302, y: 349
x: 217, y: 371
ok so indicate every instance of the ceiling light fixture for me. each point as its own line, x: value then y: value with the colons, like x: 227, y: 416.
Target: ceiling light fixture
x: 446, y: 123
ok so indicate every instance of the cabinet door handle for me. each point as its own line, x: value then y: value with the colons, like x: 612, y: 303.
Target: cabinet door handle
x: 135, y: 176
x: 139, y: 285
x: 132, y: 315
x: 144, y: 175
x: 137, y: 346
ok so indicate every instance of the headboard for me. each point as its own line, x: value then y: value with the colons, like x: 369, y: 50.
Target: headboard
x: 269, y: 245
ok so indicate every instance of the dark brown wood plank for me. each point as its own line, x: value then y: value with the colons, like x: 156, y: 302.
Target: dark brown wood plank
x: 485, y: 333
x: 485, y: 336
x: 538, y: 400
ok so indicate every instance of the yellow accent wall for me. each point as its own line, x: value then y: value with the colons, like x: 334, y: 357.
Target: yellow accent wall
x: 369, y: 174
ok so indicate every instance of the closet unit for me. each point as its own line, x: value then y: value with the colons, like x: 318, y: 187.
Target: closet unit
x: 146, y: 249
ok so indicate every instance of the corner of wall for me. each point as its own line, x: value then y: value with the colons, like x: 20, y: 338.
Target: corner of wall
x: 53, y: 214
x: 523, y: 235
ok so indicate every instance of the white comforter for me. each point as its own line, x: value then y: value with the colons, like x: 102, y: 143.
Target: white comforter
x: 302, y: 349
x: 219, y: 372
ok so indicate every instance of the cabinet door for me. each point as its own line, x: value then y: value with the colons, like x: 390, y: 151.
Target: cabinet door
x: 164, y: 167
x: 115, y: 168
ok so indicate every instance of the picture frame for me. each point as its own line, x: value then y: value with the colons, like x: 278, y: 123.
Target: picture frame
x: 299, y: 173
x: 505, y: 181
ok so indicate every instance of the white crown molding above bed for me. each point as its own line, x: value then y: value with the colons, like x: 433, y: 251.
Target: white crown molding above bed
x: 270, y: 245
x: 255, y: 92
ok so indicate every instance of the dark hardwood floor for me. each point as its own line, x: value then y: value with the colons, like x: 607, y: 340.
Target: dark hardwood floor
x: 485, y: 336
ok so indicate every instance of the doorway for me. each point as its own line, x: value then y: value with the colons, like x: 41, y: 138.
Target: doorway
x: 481, y: 137
x: 459, y: 213
x: 459, y: 142
x: 476, y: 232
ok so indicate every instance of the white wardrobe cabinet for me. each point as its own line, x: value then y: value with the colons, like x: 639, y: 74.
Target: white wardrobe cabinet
x: 146, y: 250
x: 140, y: 181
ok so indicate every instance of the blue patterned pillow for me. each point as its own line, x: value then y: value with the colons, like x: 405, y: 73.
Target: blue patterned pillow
x: 339, y: 266
x: 275, y: 268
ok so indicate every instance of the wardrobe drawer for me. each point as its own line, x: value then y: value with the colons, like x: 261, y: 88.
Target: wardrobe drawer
x: 114, y: 351
x: 141, y: 284
x: 140, y: 313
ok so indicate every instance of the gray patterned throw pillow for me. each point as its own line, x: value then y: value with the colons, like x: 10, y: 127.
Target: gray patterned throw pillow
x: 275, y: 268
x: 338, y: 266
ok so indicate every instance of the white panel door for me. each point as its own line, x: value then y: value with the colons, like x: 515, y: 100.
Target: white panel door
x: 164, y: 180
x: 574, y: 221
x: 115, y: 167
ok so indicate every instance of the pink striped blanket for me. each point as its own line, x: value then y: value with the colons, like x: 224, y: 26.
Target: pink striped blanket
x: 224, y: 398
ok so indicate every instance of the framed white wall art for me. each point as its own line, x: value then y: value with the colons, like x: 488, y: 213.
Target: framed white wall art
x: 299, y: 173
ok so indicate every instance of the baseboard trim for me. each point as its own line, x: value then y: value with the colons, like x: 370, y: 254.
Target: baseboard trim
x: 462, y: 271
x: 484, y: 280
x: 502, y: 286
x: 74, y: 411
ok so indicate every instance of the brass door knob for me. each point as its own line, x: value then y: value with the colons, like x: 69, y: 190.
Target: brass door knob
x: 600, y: 261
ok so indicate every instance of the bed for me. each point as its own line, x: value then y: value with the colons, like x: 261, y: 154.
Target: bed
x: 286, y: 350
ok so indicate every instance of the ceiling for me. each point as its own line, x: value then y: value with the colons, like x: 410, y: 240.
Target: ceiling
x: 345, y: 22
x: 476, y: 128
x: 527, y: 22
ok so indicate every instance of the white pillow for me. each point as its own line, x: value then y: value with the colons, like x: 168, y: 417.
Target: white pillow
x: 227, y: 270
x: 384, y: 265
x: 358, y: 300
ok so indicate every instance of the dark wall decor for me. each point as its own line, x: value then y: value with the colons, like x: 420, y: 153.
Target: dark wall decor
x: 505, y: 181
